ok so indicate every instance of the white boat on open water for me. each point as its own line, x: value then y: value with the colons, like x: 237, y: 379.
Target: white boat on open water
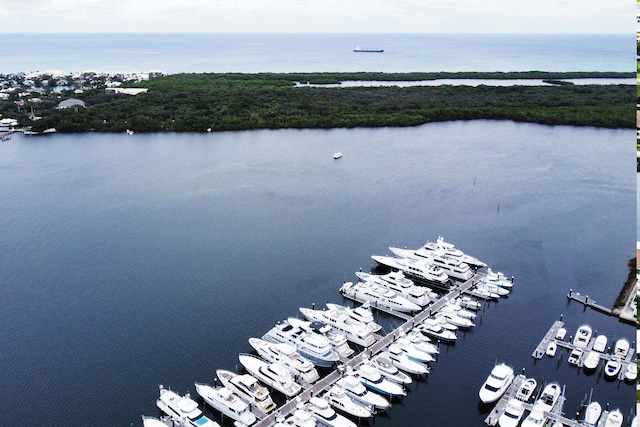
x: 583, y: 336
x: 496, y: 384
x: 398, y: 282
x: 337, y: 339
x: 248, y: 388
x: 227, y: 402
x: 441, y: 246
x: 286, y: 354
x: 182, y: 409
x: 272, y: 374
x: 314, y: 347
x: 361, y: 314
x: 424, y: 271
x: 339, y: 320
x: 452, y: 266
x: 378, y: 296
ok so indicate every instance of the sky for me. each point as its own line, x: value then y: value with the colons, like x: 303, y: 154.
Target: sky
x: 319, y: 16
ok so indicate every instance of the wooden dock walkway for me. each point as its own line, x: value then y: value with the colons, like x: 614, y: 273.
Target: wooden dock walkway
x: 588, y: 302
x: 325, y: 383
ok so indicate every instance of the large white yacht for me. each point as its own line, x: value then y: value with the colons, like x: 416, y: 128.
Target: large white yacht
x: 339, y: 320
x: 340, y: 400
x: 496, y: 384
x: 227, y: 402
x: 361, y: 314
x: 452, y: 266
x: 182, y: 409
x: 498, y: 278
x: 422, y: 270
x: 337, y: 339
x: 357, y: 391
x: 378, y: 296
x: 401, y: 360
x: 314, y: 347
x: 434, y: 329
x: 325, y: 415
x: 248, y: 388
x: 398, y: 282
x: 286, y: 354
x: 448, y: 248
x: 272, y: 374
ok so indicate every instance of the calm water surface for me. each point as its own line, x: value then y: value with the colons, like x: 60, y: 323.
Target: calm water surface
x: 133, y: 261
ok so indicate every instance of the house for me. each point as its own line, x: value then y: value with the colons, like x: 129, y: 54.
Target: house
x: 71, y: 103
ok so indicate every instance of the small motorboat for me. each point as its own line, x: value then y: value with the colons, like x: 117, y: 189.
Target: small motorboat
x: 551, y: 348
x: 299, y: 418
x: 434, y: 329
x: 536, y: 418
x: 614, y: 419
x: 512, y: 413
x: 631, y: 373
x: 527, y: 389
x: 612, y: 368
x: 583, y: 336
x: 549, y: 397
x: 592, y: 414
x: 591, y: 361
x: 496, y: 384
x: 621, y: 348
x: 337, y: 155
x: 600, y: 344
x: 562, y: 332
x: 574, y: 356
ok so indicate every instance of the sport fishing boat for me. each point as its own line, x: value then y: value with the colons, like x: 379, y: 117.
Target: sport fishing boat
x: 361, y: 314
x: 424, y: 271
x: 583, y: 336
x: 227, y: 402
x: 248, y: 388
x: 434, y: 329
x: 549, y: 397
x: 621, y: 348
x: 339, y: 320
x: 272, y: 374
x: 496, y: 384
x: 526, y: 390
x: 340, y: 400
x: 357, y: 391
x: 337, y: 339
x: 453, y: 267
x: 401, y: 360
x: 182, y: 409
x: 413, y: 351
x: 388, y: 370
x: 378, y: 296
x: 314, y: 347
x: 369, y: 375
x: 398, y: 282
x: 448, y: 248
x: 287, y: 355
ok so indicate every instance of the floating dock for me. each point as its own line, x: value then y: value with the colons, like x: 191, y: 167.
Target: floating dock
x: 588, y: 302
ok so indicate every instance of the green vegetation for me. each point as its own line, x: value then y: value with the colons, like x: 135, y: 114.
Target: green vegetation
x: 197, y: 102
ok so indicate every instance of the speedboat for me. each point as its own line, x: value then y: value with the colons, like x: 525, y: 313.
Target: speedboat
x: 339, y: 320
x: 496, y: 384
x: 248, y: 388
x: 591, y: 361
x: 337, y: 155
x: 421, y: 270
x: 433, y: 328
x: 287, y: 355
x: 612, y: 368
x: 340, y: 400
x: 357, y: 391
x: 401, y: 361
x: 389, y: 370
x: 574, y: 356
x: 182, y: 409
x: 412, y: 351
x: 526, y: 390
x: 614, y: 419
x: 468, y: 303
x: 299, y: 418
x: 337, y: 339
x: 592, y: 413
x: 600, y: 344
x: 378, y: 296
x: 369, y: 375
x: 562, y: 332
x: 273, y: 374
x: 631, y: 373
x: 227, y: 402
x: 314, y: 347
x: 422, y: 342
x: 498, y: 278
x: 441, y: 246
x: 512, y: 413
x: 398, y: 282
x: 325, y: 415
x: 361, y: 314
x: 536, y: 418
x: 549, y: 397
x: 583, y: 336
x: 453, y: 318
x: 453, y: 267
x: 493, y: 288
x: 551, y: 349
x: 621, y: 348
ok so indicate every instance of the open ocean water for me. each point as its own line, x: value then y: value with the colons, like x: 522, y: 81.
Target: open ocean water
x: 133, y: 261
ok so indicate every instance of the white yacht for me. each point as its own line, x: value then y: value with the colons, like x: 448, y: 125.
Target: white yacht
x: 614, y: 419
x: 496, y: 384
x: 512, y: 413
x: 357, y: 391
x: 340, y: 400
x: 337, y: 339
x: 398, y: 282
x: 389, y: 370
x: 299, y: 418
x: 549, y: 396
x: 612, y: 368
x: 600, y: 344
x: 182, y: 409
x: 526, y: 390
x: 460, y: 311
x: 498, y: 278
x: 574, y: 356
x: 631, y: 373
x: 592, y: 414
x: 468, y: 303
x: 422, y: 342
x: 592, y: 360
x: 453, y: 318
x: 164, y: 421
x: 493, y: 288
x: 441, y: 246
x: 248, y: 388
x: 415, y: 351
x: 378, y: 296
x: 314, y: 347
x: 325, y: 415
x: 536, y: 418
x: 227, y: 402
x: 369, y: 375
x: 401, y: 361
x: 434, y: 329
x: 361, y: 314
x: 286, y: 354
x: 339, y: 320
x: 621, y: 348
x: 422, y: 270
x: 583, y: 336
x: 454, y: 268
x: 552, y: 347
x: 273, y: 374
